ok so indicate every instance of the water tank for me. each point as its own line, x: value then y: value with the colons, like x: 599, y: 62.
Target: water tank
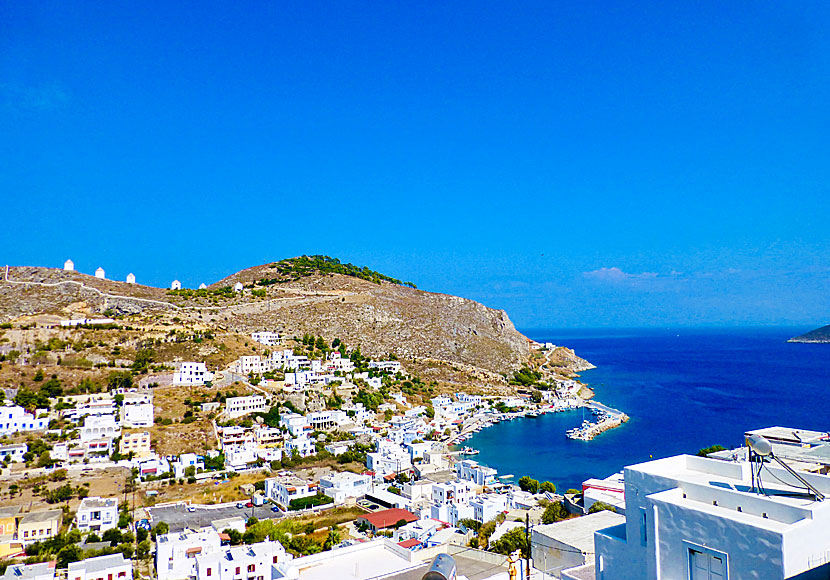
x: 442, y: 568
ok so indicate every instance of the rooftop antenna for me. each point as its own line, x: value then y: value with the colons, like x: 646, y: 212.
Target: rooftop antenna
x: 759, y: 447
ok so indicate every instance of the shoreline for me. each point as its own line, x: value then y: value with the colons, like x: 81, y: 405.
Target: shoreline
x: 609, y: 418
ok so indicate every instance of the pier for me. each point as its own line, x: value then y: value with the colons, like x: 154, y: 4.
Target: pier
x: 608, y: 418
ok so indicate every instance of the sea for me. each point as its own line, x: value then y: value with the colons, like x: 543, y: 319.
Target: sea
x: 684, y: 389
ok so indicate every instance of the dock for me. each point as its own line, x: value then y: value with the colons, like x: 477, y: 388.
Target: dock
x: 607, y: 418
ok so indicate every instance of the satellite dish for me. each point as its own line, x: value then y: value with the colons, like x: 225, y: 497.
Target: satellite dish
x: 759, y: 445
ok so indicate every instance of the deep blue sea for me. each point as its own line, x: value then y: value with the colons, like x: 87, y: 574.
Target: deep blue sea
x: 683, y: 389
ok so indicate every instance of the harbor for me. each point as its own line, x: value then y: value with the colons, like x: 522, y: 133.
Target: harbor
x: 606, y: 418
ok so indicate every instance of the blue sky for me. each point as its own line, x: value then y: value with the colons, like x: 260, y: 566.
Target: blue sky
x: 576, y: 164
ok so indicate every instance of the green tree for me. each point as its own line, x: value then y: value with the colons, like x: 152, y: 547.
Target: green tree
x: 234, y: 535
x: 555, y: 512
x: 69, y: 554
x: 332, y: 539
x: 547, y: 486
x: 160, y: 529
x: 600, y: 506
x: 528, y: 484
x: 713, y: 449
x: 515, y: 539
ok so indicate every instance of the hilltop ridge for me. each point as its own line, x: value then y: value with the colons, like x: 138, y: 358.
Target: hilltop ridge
x: 446, y: 338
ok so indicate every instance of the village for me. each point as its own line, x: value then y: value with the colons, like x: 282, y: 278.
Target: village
x: 379, y: 462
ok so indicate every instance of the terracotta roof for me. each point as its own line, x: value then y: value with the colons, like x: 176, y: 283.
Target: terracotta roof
x: 390, y: 517
x: 410, y: 543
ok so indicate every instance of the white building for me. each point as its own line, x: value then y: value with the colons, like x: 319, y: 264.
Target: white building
x: 389, y: 366
x: 99, y: 273
x: 241, y: 406
x: 283, y: 488
x: 14, y: 419
x: 240, y: 457
x: 697, y: 518
x: 326, y: 420
x: 487, y: 507
x: 343, y: 485
x: 470, y: 470
x: 39, y: 571
x: 192, y: 373
x: 111, y: 567
x: 388, y: 459
x: 136, y: 412
x: 69, y: 266
x: 267, y: 338
x: 254, y: 562
x: 99, y: 427
x: 295, y: 423
x: 184, y: 461
x: 176, y: 285
x: 15, y: 453
x: 97, y: 514
x: 130, y: 278
x: 237, y: 287
x: 176, y: 553
x: 202, y: 286
x: 304, y: 446
x: 569, y: 543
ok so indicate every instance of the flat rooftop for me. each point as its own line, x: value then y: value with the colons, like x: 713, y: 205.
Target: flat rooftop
x: 579, y: 532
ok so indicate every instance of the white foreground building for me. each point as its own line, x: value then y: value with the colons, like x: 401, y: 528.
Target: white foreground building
x: 112, y: 567
x: 697, y: 518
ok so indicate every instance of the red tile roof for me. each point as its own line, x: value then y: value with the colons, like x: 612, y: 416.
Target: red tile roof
x: 390, y: 517
x: 410, y: 543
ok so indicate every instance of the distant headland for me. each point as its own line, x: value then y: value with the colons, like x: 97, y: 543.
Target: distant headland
x: 818, y: 335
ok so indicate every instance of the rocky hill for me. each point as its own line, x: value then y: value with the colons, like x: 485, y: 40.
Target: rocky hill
x: 443, y: 337
x: 818, y: 335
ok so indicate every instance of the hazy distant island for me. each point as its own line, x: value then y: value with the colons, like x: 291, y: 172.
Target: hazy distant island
x: 818, y: 335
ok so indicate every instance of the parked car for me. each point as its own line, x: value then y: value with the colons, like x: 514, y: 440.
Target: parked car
x: 275, y: 509
x: 240, y: 505
x: 249, y: 504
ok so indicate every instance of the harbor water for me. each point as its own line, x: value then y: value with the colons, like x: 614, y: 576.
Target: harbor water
x: 682, y: 389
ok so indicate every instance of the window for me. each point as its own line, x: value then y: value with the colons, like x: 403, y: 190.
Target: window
x: 643, y: 527
x: 109, y: 576
x: 208, y: 572
x: 251, y: 567
x: 237, y: 569
x: 276, y: 559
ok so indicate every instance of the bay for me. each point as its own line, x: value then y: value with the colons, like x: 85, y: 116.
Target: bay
x: 683, y: 389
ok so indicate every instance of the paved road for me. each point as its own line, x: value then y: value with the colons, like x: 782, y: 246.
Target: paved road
x: 178, y: 518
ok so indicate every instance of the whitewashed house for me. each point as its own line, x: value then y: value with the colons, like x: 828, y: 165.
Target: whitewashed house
x: 99, y: 273
x: 302, y: 444
x: 254, y: 562
x: 38, y: 571
x: 192, y: 374
x: 176, y: 285
x: 202, y: 286
x: 267, y: 338
x: 184, y: 461
x: 238, y: 287
x: 130, y: 278
x: 295, y: 423
x: 176, y: 553
x: 111, y: 567
x: 69, y: 266
x: 15, y: 453
x: 342, y: 485
x: 99, y: 427
x: 283, y: 488
x: 97, y: 514
x: 240, y: 457
x: 136, y: 411
x: 241, y: 406
x: 470, y: 470
x: 14, y: 418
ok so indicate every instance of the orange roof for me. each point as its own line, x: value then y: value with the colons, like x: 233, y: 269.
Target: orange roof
x: 410, y: 543
x: 390, y: 517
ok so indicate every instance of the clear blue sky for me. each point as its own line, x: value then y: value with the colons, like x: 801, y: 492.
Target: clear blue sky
x: 578, y: 164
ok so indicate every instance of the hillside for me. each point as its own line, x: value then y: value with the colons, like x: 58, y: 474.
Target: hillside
x: 445, y: 338
x: 818, y: 335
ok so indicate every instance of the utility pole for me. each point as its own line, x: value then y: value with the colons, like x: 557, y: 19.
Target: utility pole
x: 527, y: 538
